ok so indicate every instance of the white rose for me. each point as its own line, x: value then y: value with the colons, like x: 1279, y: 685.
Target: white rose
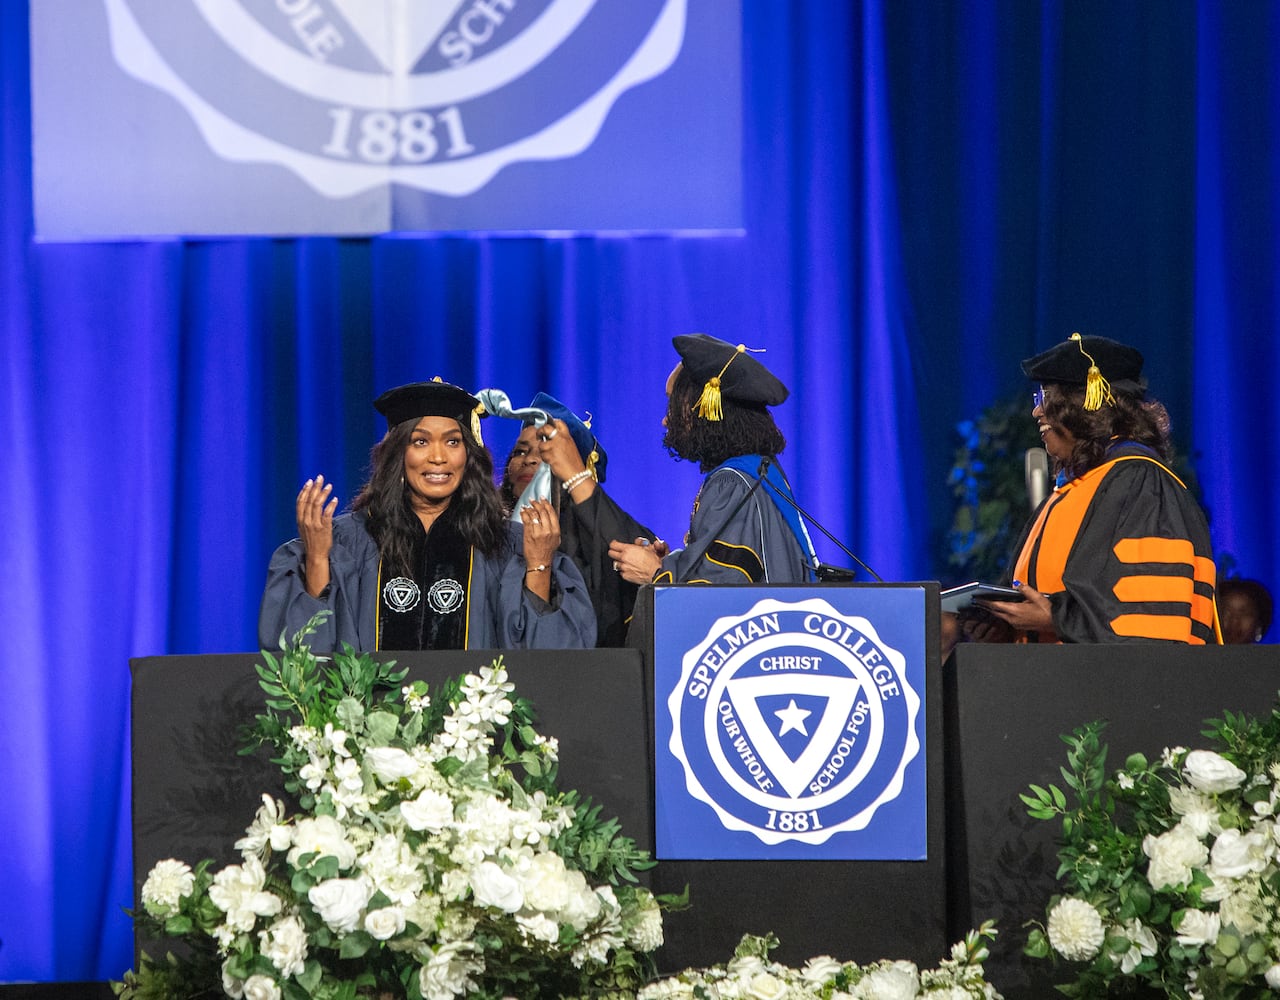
x: 1236, y: 854
x: 1211, y: 772
x: 284, y: 944
x: 390, y: 764
x: 1198, y: 927
x: 261, y: 988
x: 493, y: 887
x: 899, y: 981
x: 1173, y: 855
x: 1272, y: 976
x: 429, y: 811
x: 765, y: 986
x: 745, y: 966
x: 323, y: 836
x: 819, y: 969
x: 384, y: 924
x: 168, y: 883
x: 339, y: 901
x: 1075, y: 929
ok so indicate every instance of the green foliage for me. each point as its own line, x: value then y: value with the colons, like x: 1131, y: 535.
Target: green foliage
x: 988, y: 488
x: 1178, y: 858
x: 428, y: 807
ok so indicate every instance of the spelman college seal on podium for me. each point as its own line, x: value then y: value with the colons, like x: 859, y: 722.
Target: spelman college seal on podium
x: 435, y: 94
x: 795, y: 722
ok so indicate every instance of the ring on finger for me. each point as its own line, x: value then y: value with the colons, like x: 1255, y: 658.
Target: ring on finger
x: 615, y: 566
x: 535, y: 521
x: 552, y: 433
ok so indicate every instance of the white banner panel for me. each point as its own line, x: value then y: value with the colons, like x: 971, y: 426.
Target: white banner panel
x: 352, y: 117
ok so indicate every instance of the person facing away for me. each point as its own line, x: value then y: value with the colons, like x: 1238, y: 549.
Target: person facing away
x: 742, y: 529
x: 563, y: 460
x: 1120, y: 550
x: 425, y: 558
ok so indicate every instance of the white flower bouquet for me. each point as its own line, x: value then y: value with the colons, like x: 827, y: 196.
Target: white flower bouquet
x: 1170, y: 868
x: 427, y: 854
x: 750, y: 975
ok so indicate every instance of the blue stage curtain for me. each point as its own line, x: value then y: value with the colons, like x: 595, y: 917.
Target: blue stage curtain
x: 934, y: 191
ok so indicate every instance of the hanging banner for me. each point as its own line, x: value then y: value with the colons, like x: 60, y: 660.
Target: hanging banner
x: 790, y: 723
x: 280, y: 117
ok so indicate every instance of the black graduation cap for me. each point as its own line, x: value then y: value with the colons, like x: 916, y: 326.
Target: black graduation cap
x: 430, y: 399
x: 1097, y: 363
x: 727, y: 370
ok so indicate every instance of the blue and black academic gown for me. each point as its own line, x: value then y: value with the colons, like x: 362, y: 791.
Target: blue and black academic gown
x: 758, y: 544
x: 1124, y: 555
x: 500, y: 612
x: 586, y: 530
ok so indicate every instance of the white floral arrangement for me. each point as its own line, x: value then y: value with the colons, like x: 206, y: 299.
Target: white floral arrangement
x: 751, y: 975
x: 1170, y: 869
x: 429, y: 855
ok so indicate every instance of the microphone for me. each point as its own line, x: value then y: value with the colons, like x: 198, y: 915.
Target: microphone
x: 1036, y: 470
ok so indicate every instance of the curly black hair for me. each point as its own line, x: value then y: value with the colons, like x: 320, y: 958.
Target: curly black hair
x: 1127, y: 418
x: 744, y: 430
x: 388, y: 504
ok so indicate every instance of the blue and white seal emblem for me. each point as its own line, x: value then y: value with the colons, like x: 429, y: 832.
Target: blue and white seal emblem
x: 794, y: 721
x: 438, y: 95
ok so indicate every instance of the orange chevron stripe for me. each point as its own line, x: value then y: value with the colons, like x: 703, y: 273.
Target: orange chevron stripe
x: 1156, y: 550
x: 1172, y: 627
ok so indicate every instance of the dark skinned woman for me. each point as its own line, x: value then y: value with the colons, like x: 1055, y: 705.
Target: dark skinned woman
x: 425, y: 559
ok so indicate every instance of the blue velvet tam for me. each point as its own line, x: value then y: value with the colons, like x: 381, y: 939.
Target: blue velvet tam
x: 583, y: 439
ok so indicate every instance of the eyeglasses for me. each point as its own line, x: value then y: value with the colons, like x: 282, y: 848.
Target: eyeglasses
x: 1037, y: 398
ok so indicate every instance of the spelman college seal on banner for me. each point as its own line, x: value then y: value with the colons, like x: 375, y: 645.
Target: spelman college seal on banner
x: 436, y: 94
x: 794, y: 721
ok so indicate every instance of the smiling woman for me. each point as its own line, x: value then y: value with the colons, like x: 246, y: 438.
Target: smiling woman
x: 1120, y: 552
x: 425, y: 560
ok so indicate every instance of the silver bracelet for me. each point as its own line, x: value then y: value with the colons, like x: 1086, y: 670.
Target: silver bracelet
x: 575, y: 479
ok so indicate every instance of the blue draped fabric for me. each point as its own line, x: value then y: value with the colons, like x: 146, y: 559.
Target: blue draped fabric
x: 934, y: 191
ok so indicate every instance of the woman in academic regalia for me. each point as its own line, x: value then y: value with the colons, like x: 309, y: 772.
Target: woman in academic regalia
x: 425, y: 558
x: 1120, y: 551
x: 563, y: 459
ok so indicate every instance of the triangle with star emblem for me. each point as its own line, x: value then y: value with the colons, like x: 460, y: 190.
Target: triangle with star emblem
x: 398, y: 32
x: 752, y: 697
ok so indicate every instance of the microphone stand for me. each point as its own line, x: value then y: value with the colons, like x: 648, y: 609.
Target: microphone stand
x: 809, y: 517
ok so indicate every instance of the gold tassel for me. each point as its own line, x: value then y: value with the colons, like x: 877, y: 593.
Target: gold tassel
x: 1097, y: 390
x: 591, y: 462
x: 475, y: 424
x: 710, y: 406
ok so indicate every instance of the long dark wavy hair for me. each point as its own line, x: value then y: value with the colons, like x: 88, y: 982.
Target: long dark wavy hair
x: 388, y: 504
x: 1128, y: 418
x: 745, y: 430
